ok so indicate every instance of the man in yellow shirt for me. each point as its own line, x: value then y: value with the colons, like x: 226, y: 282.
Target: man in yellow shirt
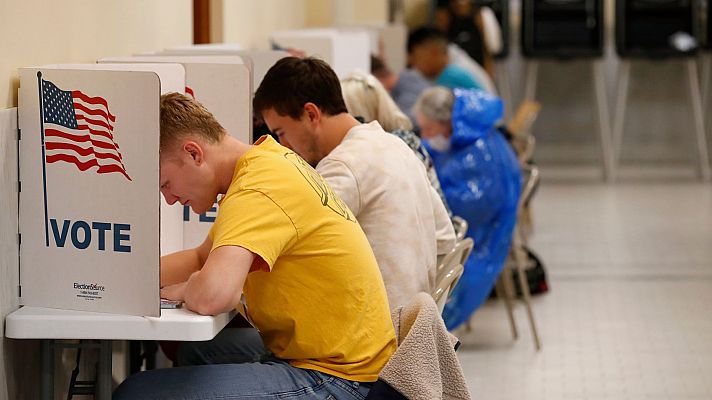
x: 311, y: 285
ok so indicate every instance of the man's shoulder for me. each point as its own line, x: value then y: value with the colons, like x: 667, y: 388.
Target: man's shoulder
x: 272, y: 172
x: 455, y: 70
x: 365, y: 142
x: 364, y: 149
x: 411, y: 79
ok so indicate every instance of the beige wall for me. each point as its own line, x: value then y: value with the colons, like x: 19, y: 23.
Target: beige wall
x: 370, y: 11
x: 34, y: 32
x: 348, y: 12
x: 320, y: 12
x: 416, y: 12
x: 249, y: 23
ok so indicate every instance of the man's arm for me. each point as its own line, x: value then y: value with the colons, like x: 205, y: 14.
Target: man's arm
x: 177, y: 267
x: 217, y: 287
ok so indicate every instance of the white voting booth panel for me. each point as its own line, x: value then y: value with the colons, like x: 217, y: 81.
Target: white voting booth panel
x: 172, y: 79
x: 204, y: 49
x: 388, y: 40
x: 260, y: 60
x: 223, y: 84
x: 89, y: 200
x: 344, y: 50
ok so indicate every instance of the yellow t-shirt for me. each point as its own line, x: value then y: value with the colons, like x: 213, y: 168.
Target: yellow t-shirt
x: 316, y: 295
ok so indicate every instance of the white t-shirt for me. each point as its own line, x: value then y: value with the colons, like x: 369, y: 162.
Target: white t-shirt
x: 386, y: 186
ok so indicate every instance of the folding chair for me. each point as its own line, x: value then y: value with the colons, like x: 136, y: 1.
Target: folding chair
x: 518, y: 255
x: 450, y: 270
x: 445, y: 284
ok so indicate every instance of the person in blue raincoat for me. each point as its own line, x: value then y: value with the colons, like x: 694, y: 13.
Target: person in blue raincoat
x: 481, y: 179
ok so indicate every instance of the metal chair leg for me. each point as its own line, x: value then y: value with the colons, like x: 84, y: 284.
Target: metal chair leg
x: 697, y: 111
x: 520, y: 261
x: 503, y: 292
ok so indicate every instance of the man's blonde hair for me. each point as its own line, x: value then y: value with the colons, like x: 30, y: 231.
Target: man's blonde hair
x: 182, y: 116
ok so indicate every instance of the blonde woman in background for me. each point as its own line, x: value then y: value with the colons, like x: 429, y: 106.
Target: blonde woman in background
x: 366, y: 98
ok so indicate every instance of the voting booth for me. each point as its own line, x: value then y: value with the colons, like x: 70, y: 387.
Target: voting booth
x: 387, y: 40
x: 223, y: 84
x: 203, y: 49
x: 345, y: 50
x: 92, y: 223
x: 259, y: 61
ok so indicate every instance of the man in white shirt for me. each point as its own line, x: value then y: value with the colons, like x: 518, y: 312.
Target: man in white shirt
x: 375, y: 173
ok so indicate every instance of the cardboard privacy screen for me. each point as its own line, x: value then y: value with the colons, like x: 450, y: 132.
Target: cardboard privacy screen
x: 223, y: 84
x: 260, y: 61
x: 172, y: 79
x: 89, y: 200
x: 344, y: 50
x: 387, y: 40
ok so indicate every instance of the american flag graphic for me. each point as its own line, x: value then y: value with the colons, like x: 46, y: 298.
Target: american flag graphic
x: 78, y: 129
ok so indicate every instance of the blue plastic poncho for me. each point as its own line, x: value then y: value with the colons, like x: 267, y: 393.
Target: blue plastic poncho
x: 481, y: 179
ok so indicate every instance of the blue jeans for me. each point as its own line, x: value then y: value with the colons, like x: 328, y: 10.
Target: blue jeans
x: 237, y: 366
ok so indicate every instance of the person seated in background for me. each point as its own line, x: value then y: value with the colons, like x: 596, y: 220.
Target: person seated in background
x: 366, y: 98
x: 375, y: 173
x: 284, y: 240
x: 404, y: 87
x: 428, y: 53
x: 473, y: 28
x: 481, y: 179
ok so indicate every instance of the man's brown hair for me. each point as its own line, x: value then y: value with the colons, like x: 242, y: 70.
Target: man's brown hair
x: 293, y: 82
x: 425, y: 35
x: 182, y: 116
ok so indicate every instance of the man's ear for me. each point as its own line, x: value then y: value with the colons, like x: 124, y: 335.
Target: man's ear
x: 312, y: 112
x: 194, y: 151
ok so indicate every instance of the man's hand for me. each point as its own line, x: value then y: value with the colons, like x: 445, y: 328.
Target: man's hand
x: 174, y: 292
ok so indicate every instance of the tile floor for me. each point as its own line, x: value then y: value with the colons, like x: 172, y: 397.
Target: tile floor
x: 629, y: 314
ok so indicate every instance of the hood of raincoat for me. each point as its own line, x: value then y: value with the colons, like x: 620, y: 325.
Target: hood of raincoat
x: 474, y: 114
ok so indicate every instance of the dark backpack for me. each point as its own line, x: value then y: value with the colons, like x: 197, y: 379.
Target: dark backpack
x: 536, y: 275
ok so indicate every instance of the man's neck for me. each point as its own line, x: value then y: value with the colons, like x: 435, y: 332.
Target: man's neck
x: 334, y: 129
x: 229, y: 152
x: 442, y: 64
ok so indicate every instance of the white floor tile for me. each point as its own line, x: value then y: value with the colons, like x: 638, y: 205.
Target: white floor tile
x: 627, y: 317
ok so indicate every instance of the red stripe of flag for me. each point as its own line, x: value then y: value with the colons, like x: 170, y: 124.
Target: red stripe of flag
x: 103, y: 124
x: 81, y: 150
x: 93, y: 112
x: 93, y: 100
x: 78, y: 138
x: 83, y: 166
x: 99, y: 133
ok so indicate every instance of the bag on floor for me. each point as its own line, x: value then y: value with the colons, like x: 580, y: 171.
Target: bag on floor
x: 536, y: 275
